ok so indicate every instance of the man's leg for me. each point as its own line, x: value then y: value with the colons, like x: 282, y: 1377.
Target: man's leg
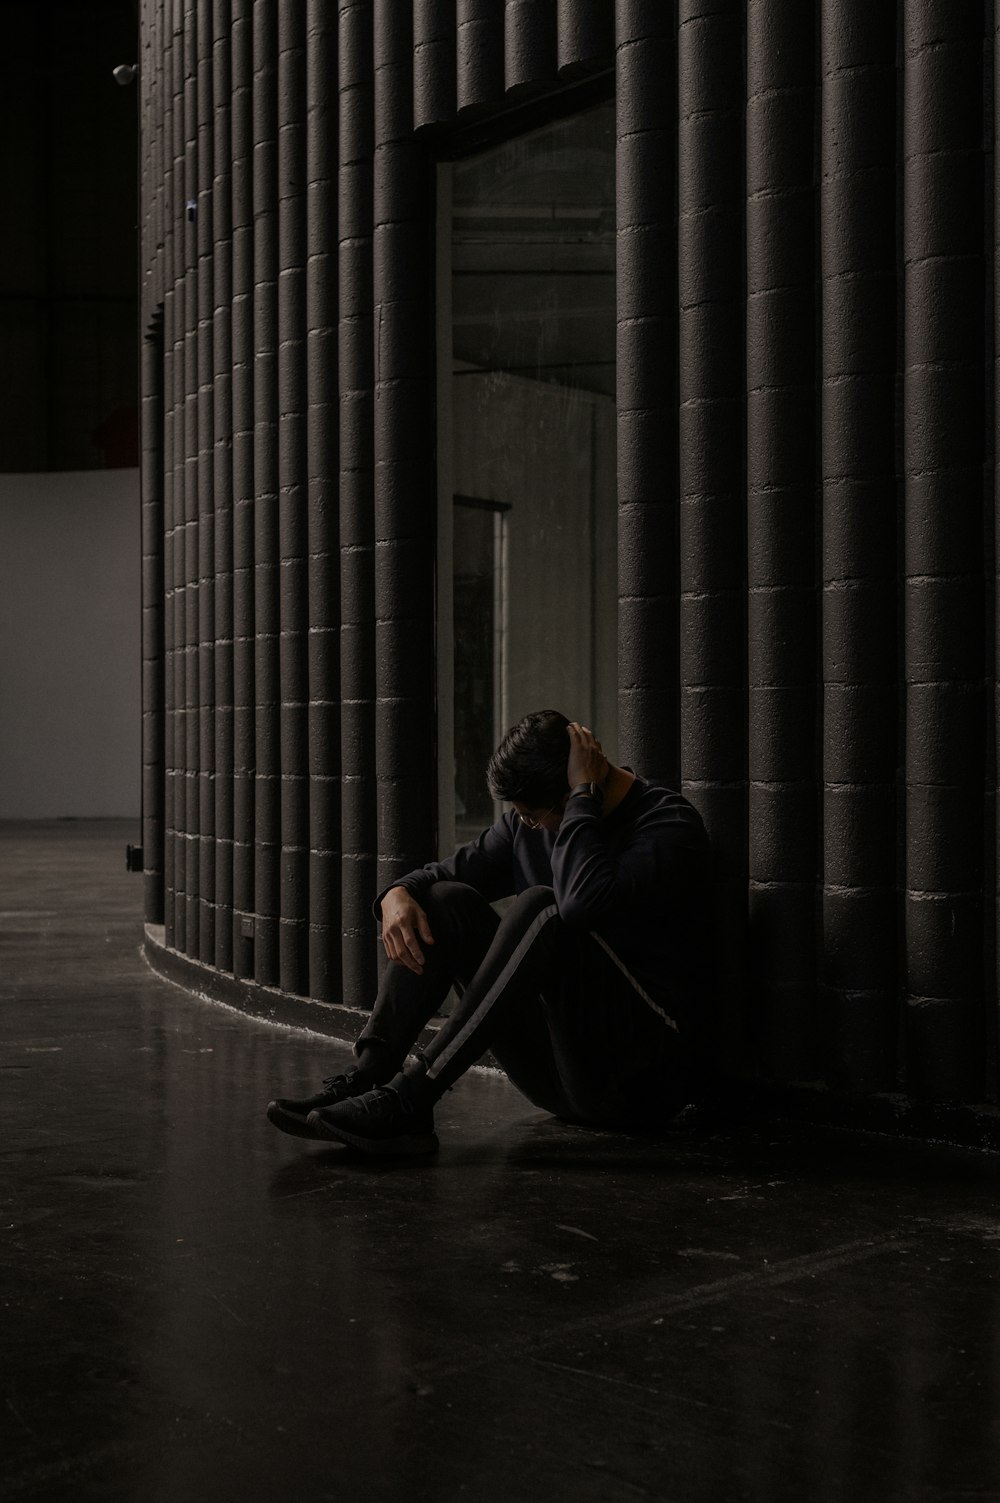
x: 502, y: 994
x: 566, y: 1022
x: 574, y: 1032
x: 619, y: 1059
x: 503, y: 998
x: 463, y: 925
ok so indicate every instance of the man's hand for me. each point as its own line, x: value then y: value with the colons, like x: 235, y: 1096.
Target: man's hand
x: 587, y: 762
x: 404, y: 926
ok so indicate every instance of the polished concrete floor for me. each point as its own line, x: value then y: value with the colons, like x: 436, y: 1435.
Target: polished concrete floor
x: 195, y: 1307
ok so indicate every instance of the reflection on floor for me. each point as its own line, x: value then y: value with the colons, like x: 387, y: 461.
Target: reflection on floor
x: 196, y: 1307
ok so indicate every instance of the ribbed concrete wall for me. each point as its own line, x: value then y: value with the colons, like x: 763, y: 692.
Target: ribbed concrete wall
x: 711, y: 348
x: 857, y: 250
x: 806, y: 561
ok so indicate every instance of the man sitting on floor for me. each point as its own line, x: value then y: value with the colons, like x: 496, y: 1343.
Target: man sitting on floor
x: 589, y: 991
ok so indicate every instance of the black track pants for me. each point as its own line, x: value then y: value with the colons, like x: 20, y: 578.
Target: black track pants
x: 561, y: 1016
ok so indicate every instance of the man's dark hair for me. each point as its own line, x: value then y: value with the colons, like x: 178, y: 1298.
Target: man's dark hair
x: 529, y: 765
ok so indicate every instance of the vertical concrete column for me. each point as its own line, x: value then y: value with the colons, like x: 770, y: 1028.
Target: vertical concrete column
x: 648, y: 672
x: 943, y: 582
x: 222, y: 362
x: 177, y: 935
x: 781, y: 527
x: 585, y: 35
x: 292, y: 501
x: 152, y: 622
x: 993, y: 1013
x: 479, y: 51
x: 205, y: 243
x: 711, y: 423
x: 169, y: 650
x: 156, y: 71
x: 322, y: 522
x: 146, y: 86
x: 170, y: 439
x: 170, y: 10
x: 175, y: 898
x: 858, y: 355
x: 356, y: 358
x: 173, y: 142
x: 434, y: 79
x: 244, y: 749
x: 529, y: 43
x: 267, y: 768
x: 192, y: 583
x: 151, y: 471
x: 405, y: 489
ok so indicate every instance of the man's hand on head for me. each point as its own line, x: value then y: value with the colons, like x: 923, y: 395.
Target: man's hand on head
x: 405, y: 929
x: 587, y: 762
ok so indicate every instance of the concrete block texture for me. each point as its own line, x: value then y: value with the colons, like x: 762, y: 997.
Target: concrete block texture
x: 804, y: 454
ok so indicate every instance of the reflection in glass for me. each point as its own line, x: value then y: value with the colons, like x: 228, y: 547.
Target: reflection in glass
x: 479, y: 596
x: 533, y: 418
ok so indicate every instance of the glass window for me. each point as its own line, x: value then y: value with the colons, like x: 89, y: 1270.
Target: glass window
x: 533, y: 440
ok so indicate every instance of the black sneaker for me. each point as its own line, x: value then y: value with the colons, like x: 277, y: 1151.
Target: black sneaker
x: 382, y: 1121
x: 291, y: 1116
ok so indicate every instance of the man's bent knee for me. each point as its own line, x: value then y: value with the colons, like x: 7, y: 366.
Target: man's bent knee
x: 451, y: 896
x: 458, y: 911
x: 532, y: 901
x: 454, y: 906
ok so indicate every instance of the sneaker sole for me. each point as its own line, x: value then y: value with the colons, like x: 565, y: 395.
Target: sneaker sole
x: 408, y: 1146
x: 296, y: 1127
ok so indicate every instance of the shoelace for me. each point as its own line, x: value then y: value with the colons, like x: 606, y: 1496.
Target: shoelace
x: 332, y: 1082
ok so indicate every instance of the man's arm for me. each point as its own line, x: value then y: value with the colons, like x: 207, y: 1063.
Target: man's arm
x: 405, y: 929
x: 484, y: 864
x: 588, y: 881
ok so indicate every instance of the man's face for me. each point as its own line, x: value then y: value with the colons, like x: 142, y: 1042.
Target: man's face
x: 541, y: 819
